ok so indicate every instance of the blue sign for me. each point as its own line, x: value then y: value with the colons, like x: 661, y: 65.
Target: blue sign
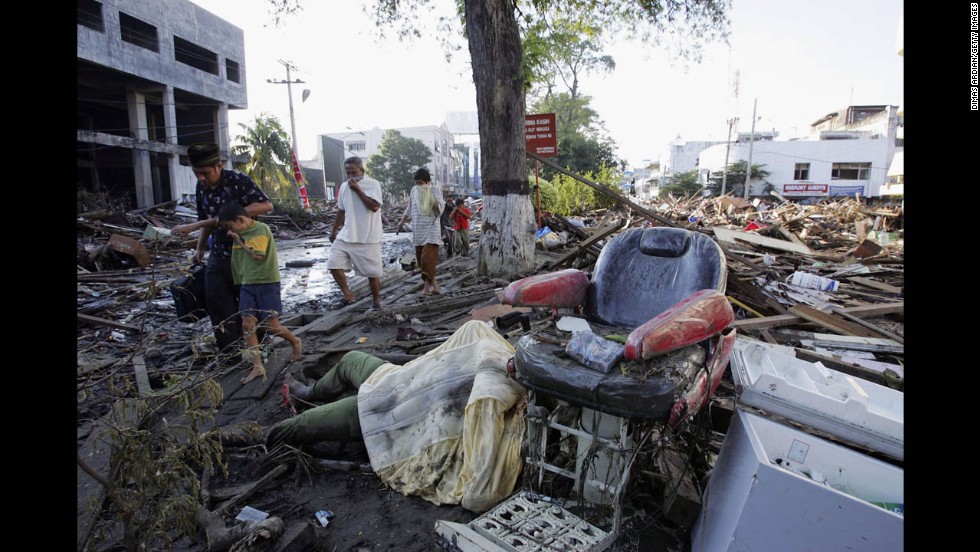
x: 846, y: 190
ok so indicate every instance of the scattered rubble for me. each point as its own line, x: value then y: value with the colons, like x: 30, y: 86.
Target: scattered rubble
x: 130, y: 345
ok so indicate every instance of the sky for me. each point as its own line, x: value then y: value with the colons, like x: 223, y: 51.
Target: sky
x: 796, y: 59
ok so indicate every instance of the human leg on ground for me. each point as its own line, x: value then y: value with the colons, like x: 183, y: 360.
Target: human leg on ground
x: 275, y: 327
x: 425, y: 281
x: 336, y: 421
x: 340, y: 276
x: 222, y: 304
x: 249, y: 325
x: 428, y: 262
x: 375, y: 285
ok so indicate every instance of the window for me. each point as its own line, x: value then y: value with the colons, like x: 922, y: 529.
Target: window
x: 850, y: 171
x: 356, y: 146
x: 138, y: 32
x: 191, y: 54
x: 89, y: 14
x: 801, y: 171
x: 231, y: 71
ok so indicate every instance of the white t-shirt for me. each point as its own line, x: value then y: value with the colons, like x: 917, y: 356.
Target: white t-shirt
x: 361, y: 225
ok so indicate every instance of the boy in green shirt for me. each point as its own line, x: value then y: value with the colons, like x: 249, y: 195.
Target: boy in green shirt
x: 255, y: 267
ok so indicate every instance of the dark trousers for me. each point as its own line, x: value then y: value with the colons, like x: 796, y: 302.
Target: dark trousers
x: 222, y: 302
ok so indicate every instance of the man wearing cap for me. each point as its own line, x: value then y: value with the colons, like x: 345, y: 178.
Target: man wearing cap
x: 215, y: 186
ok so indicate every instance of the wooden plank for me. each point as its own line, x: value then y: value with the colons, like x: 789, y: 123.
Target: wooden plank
x: 103, y: 322
x: 870, y: 326
x: 790, y: 235
x: 875, y: 284
x: 251, y: 489
x: 833, y: 341
x: 787, y: 319
x: 142, y: 379
x: 830, y: 321
x: 599, y: 235
x: 734, y: 236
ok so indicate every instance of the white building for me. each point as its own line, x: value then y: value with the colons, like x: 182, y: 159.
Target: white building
x: 848, y: 152
x: 682, y: 155
x: 443, y: 165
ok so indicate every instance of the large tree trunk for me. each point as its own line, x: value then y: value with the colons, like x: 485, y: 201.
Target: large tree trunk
x: 507, y: 238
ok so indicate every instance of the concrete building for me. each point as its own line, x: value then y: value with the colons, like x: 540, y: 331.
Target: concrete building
x: 895, y: 186
x: 682, y: 155
x: 153, y: 78
x: 444, y: 165
x: 848, y: 152
x: 465, y: 126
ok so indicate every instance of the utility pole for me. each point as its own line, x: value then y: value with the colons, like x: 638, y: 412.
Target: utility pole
x: 748, y: 167
x: 289, y: 88
x: 728, y: 147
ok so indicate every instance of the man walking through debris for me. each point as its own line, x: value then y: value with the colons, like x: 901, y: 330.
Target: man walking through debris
x: 357, y: 231
x: 255, y: 268
x: 216, y: 186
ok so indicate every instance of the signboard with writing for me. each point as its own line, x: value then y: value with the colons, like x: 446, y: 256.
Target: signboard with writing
x: 541, y: 134
x: 804, y: 189
x: 846, y: 190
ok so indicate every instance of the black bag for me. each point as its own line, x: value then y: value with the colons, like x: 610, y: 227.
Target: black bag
x: 188, y: 293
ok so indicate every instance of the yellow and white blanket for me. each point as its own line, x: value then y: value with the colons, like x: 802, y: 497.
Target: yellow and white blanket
x: 448, y: 425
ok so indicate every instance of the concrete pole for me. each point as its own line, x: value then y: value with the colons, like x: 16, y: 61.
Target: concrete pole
x: 292, y: 117
x: 728, y: 147
x: 748, y: 167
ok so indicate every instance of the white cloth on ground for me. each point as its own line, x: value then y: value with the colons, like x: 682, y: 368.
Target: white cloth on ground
x: 447, y: 426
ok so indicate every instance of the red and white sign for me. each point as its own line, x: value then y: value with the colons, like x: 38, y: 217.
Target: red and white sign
x: 541, y: 134
x: 805, y: 189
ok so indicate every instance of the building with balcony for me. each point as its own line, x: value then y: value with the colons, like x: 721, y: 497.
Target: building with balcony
x: 152, y: 78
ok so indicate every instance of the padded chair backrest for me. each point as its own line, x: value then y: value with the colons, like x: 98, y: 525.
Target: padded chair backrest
x: 641, y: 273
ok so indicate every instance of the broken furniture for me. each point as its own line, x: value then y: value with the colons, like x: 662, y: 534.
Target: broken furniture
x: 662, y: 288
x: 774, y: 486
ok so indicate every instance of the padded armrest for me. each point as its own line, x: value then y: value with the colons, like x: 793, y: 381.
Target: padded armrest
x: 561, y: 289
x: 691, y: 320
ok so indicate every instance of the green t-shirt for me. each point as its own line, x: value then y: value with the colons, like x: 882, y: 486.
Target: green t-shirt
x: 245, y: 269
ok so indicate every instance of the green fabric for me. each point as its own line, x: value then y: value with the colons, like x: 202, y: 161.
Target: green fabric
x: 334, y: 421
x: 462, y: 241
x: 346, y: 375
x: 245, y: 269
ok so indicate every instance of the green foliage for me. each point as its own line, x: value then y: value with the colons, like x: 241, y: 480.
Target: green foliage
x: 155, y: 463
x: 549, y: 195
x: 270, y: 160
x: 581, y: 154
x: 395, y: 163
x: 576, y: 198
x: 735, y: 181
x: 683, y: 184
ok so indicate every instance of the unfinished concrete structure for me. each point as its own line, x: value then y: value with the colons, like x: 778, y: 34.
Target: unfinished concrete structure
x: 153, y: 78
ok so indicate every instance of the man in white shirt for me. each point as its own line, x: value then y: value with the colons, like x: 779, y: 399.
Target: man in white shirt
x: 356, y: 234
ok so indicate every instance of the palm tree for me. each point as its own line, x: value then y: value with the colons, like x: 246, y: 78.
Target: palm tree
x: 268, y: 148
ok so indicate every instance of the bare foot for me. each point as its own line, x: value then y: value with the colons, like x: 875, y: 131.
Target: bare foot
x: 297, y: 389
x: 297, y: 351
x: 257, y: 371
x: 349, y: 297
